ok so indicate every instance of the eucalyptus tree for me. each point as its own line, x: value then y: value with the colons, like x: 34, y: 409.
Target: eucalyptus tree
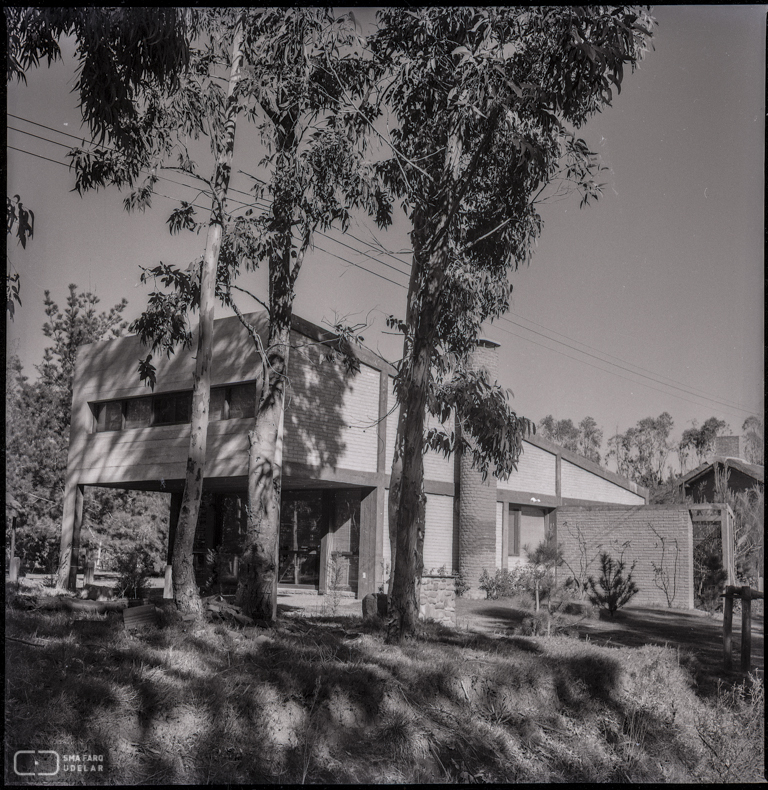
x: 486, y: 100
x: 290, y: 72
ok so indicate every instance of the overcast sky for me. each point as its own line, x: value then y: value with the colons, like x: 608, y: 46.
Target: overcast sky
x: 650, y: 300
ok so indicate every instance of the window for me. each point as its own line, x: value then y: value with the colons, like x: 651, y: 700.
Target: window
x: 138, y: 413
x: 514, y: 533
x: 109, y: 416
x: 174, y: 408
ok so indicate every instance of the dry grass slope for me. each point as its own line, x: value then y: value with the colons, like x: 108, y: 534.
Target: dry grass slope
x: 326, y: 700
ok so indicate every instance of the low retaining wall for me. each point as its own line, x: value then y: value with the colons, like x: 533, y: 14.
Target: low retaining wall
x: 438, y: 599
x: 644, y: 532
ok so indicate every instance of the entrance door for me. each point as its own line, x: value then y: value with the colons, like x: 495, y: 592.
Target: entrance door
x: 303, y: 523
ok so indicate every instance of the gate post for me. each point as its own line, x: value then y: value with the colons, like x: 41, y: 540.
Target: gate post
x: 746, y: 628
x: 727, y: 627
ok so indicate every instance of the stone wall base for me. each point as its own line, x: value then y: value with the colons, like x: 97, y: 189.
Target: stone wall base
x: 438, y: 599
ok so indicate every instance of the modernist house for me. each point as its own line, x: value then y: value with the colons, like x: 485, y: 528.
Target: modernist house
x: 337, y: 451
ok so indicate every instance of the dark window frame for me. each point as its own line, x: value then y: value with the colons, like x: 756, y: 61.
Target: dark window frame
x: 98, y: 406
x: 513, y: 540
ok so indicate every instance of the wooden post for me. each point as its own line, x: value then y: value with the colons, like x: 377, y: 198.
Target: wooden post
x: 14, y: 564
x: 746, y: 628
x: 727, y: 627
x: 74, y: 553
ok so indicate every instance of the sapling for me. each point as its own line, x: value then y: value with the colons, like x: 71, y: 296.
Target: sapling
x: 612, y: 590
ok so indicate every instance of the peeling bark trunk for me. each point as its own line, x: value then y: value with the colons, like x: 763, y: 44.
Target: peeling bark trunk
x: 257, y: 584
x: 185, y: 592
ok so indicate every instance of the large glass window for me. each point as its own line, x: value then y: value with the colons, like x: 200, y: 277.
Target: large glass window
x: 109, y: 416
x: 173, y: 408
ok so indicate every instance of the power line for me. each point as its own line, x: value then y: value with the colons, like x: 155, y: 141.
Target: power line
x: 265, y: 205
x: 612, y: 373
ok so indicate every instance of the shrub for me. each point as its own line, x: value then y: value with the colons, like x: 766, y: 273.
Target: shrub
x: 539, y: 572
x: 134, y: 568
x: 501, y: 585
x: 711, y: 585
x: 612, y: 590
x: 461, y: 584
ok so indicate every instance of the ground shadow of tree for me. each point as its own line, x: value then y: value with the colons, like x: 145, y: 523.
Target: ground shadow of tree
x: 321, y: 700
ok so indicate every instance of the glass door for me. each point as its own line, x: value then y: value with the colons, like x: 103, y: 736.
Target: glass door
x: 303, y: 523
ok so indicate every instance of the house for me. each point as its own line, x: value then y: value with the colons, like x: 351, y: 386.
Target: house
x: 337, y: 452
x: 729, y: 460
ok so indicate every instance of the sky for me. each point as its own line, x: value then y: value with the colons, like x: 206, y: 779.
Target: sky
x: 649, y: 300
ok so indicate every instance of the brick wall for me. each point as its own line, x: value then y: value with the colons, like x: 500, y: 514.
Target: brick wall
x: 536, y: 472
x: 477, y: 502
x: 330, y: 417
x: 642, y: 528
x: 578, y: 483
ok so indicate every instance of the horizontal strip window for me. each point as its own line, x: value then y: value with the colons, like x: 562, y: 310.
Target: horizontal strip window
x: 231, y: 402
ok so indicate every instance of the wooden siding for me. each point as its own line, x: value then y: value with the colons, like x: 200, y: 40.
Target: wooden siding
x: 578, y: 483
x: 499, y: 530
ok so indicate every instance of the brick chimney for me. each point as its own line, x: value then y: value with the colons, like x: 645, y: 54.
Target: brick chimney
x: 730, y: 447
x: 477, y: 499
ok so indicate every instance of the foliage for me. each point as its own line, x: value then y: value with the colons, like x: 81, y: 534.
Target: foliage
x: 21, y: 223
x: 37, y: 441
x: 503, y: 584
x: 579, y: 575
x: 664, y: 575
x: 612, y: 590
x: 461, y: 585
x: 584, y: 439
x: 485, y: 99
x: 539, y: 572
x: 700, y: 440
x: 134, y: 569
x: 710, y: 582
x: 641, y: 453
x: 753, y: 433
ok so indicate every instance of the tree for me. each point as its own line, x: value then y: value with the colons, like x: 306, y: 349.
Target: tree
x: 291, y: 72
x: 752, y: 430
x: 585, y: 439
x: 37, y: 439
x: 20, y: 223
x: 701, y: 440
x: 562, y: 432
x: 482, y: 97
x: 641, y: 453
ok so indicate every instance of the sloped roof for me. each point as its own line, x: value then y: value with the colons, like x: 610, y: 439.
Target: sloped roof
x: 752, y: 470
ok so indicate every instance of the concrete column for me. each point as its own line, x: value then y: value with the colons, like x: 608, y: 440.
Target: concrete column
x: 173, y: 520
x: 477, y: 499
x: 71, y: 523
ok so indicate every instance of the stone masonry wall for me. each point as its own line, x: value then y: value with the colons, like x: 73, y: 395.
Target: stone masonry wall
x: 438, y: 599
x: 646, y: 530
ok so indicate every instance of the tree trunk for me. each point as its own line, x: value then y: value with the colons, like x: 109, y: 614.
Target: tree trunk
x: 185, y: 592
x: 257, y: 585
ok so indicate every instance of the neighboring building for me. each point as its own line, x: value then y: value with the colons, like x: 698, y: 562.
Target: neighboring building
x: 337, y: 453
x: 729, y: 460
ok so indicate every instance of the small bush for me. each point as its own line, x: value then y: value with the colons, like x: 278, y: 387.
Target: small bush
x: 460, y: 584
x: 612, y: 590
x: 134, y: 569
x: 502, y: 584
x: 713, y: 579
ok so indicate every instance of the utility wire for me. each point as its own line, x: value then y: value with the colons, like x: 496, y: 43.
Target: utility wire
x: 265, y: 205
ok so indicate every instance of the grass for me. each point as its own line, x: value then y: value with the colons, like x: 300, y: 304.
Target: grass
x: 325, y: 700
